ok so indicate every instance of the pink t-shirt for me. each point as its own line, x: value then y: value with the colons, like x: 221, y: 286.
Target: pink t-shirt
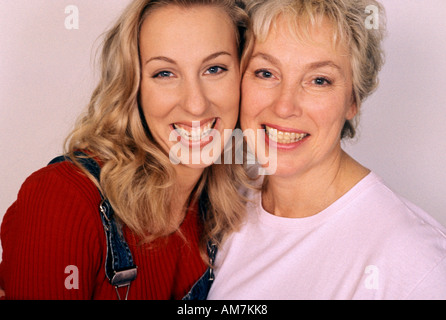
x: 369, y: 244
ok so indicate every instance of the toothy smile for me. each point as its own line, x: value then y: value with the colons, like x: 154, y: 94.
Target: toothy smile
x: 196, y: 132
x: 283, y: 137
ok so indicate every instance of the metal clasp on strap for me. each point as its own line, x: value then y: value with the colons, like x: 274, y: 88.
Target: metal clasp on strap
x: 212, y: 250
x: 124, y: 278
x: 103, y: 210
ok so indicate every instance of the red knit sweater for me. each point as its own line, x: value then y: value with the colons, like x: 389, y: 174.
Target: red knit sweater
x: 54, y: 245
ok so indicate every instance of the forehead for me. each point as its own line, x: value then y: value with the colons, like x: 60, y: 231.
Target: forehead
x: 298, y: 42
x: 199, y: 25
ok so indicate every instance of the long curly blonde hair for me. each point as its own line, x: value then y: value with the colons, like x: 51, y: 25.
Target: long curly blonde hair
x: 136, y: 176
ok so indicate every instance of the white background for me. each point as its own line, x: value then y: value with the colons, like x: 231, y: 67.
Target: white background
x: 47, y: 76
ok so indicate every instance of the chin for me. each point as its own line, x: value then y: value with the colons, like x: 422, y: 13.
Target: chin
x: 198, y: 166
x: 282, y: 169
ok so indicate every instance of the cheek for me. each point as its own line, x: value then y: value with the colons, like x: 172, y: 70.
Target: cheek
x: 247, y: 113
x: 155, y: 103
x: 252, y: 103
x: 148, y: 103
x: 329, y: 116
x: 226, y: 98
x: 230, y: 97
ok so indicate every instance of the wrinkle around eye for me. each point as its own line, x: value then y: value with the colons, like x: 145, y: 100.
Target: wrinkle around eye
x: 264, y: 74
x: 321, y: 82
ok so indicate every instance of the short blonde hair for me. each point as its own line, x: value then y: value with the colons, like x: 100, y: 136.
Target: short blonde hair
x: 349, y: 18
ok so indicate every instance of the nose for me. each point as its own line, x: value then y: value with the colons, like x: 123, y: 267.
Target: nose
x: 288, y: 103
x: 195, y: 99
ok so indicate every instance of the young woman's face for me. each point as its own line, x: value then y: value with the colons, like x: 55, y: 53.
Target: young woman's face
x: 299, y: 94
x: 190, y: 82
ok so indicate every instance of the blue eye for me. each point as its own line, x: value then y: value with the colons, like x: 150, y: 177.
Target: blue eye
x: 262, y: 73
x: 215, y: 70
x: 320, y: 81
x: 163, y: 74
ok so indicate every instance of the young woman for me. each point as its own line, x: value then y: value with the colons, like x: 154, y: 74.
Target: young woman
x: 170, y: 74
x: 322, y: 226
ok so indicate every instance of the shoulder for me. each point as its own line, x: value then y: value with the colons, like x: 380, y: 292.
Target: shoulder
x: 60, y: 180
x: 406, y: 243
x: 57, y: 198
x: 395, y: 211
x: 54, y: 223
x: 392, y: 216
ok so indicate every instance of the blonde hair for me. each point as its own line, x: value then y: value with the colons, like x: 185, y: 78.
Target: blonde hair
x: 136, y: 176
x: 349, y: 20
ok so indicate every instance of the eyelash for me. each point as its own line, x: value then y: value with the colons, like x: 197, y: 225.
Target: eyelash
x: 162, y: 74
x: 261, y: 73
x: 265, y: 74
x: 168, y: 74
x: 221, y: 69
x: 325, y: 80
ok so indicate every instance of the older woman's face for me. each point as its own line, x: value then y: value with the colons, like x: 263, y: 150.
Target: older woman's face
x: 190, y: 81
x: 299, y: 93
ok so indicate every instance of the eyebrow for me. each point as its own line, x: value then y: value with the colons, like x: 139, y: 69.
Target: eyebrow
x: 321, y: 64
x: 208, y: 58
x: 266, y: 57
x: 160, y: 58
x: 310, y: 66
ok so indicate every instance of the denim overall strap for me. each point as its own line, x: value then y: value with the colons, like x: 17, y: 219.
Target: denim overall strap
x: 200, y: 289
x: 203, y: 204
x: 119, y: 267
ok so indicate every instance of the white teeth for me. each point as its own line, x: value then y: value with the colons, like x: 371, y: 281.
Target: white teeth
x: 284, y: 137
x: 195, y: 133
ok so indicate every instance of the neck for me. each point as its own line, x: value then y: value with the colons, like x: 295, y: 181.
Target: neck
x: 187, y: 179
x: 309, y: 193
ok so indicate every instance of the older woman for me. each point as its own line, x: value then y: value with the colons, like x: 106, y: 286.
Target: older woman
x: 323, y: 226
x: 169, y: 68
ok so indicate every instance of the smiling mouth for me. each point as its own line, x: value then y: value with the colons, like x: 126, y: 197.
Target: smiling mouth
x: 284, y: 137
x: 195, y: 132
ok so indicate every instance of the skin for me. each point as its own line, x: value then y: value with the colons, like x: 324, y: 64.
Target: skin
x: 190, y: 72
x: 303, y: 87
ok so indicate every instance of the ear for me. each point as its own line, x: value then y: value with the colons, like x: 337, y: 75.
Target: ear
x: 352, y: 110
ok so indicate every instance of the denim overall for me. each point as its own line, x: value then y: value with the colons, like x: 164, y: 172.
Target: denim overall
x: 119, y: 266
x: 201, y: 288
